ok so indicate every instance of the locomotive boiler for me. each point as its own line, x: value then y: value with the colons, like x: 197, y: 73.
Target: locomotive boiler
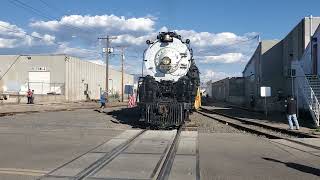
x: 168, y: 92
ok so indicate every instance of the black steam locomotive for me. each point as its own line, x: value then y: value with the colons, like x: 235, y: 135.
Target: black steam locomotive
x: 168, y: 92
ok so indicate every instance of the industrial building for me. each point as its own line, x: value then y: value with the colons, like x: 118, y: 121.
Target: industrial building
x: 271, y: 62
x: 229, y: 90
x: 56, y: 78
x: 289, y: 67
x: 258, y: 72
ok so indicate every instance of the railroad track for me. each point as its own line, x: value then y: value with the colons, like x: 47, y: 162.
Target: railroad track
x: 260, y: 129
x: 134, y: 154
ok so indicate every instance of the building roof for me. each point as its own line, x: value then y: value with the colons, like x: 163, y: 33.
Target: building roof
x: 66, y: 55
x: 263, y: 46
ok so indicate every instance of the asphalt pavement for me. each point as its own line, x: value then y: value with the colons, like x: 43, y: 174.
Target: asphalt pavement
x: 33, y: 144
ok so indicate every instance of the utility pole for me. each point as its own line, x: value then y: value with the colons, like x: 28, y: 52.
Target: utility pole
x: 122, y: 49
x: 122, y: 69
x: 107, y: 51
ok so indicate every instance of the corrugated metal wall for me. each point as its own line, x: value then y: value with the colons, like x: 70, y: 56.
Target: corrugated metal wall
x: 17, y: 76
x: 72, y: 73
x: 81, y: 73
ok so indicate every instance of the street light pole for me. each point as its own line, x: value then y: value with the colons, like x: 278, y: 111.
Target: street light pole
x: 107, y: 51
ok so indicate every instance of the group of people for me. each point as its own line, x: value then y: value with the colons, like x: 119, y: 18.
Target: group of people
x: 30, y: 96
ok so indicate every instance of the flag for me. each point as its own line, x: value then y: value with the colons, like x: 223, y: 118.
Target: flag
x: 132, y: 101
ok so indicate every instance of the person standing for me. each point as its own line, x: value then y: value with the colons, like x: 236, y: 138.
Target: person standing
x: 291, y: 110
x: 32, y: 96
x: 103, y: 100
x: 252, y: 102
x: 29, y: 96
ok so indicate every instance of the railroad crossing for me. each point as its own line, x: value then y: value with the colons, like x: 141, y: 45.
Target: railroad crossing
x: 64, y: 145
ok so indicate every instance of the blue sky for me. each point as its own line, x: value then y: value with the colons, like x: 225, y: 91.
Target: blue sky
x: 221, y: 32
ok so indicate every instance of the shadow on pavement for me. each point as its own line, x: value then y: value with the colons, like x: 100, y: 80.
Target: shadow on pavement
x: 299, y: 167
x: 129, y: 116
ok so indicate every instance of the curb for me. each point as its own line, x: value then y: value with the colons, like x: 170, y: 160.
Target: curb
x: 54, y: 110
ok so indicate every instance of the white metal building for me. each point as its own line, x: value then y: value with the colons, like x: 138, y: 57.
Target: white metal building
x: 56, y: 78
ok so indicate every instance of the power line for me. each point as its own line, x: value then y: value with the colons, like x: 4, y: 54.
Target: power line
x: 30, y: 8
x: 14, y: 62
x: 38, y: 12
x: 33, y: 10
x: 51, y: 7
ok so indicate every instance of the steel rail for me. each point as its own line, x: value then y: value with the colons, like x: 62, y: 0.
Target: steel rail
x: 168, y: 162
x: 255, y: 131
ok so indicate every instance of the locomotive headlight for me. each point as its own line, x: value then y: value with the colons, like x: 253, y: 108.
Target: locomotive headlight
x: 167, y: 38
x: 166, y: 61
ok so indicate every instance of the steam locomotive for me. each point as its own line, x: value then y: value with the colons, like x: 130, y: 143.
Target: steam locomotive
x: 168, y: 91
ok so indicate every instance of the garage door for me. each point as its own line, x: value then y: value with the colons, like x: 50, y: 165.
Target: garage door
x: 39, y: 82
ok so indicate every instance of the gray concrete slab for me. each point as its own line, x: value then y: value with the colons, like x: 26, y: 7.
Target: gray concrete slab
x: 188, y: 143
x: 185, y: 162
x: 117, y: 141
x: 240, y: 156
x: 44, y: 141
x: 130, y: 166
x: 148, y: 146
x: 159, y: 135
x: 189, y: 134
x: 187, y: 147
x: 183, y: 168
x: 128, y: 134
x: 78, y: 165
x: 110, y: 145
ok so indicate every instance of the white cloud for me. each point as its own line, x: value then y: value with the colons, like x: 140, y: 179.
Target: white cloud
x: 209, y: 74
x: 106, y: 22
x: 64, y: 48
x: 9, y: 30
x: 11, y: 36
x: 97, y: 61
x: 223, y: 58
x: 131, y: 40
x: 224, y: 49
x: 207, y: 39
x: 46, y: 38
x: 7, y: 43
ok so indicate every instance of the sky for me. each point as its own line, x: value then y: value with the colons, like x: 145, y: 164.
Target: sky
x: 223, y: 33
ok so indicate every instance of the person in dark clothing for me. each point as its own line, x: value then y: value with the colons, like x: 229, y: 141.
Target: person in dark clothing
x: 252, y: 102
x: 103, y: 100
x: 32, y: 97
x: 291, y: 110
x: 29, y: 96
